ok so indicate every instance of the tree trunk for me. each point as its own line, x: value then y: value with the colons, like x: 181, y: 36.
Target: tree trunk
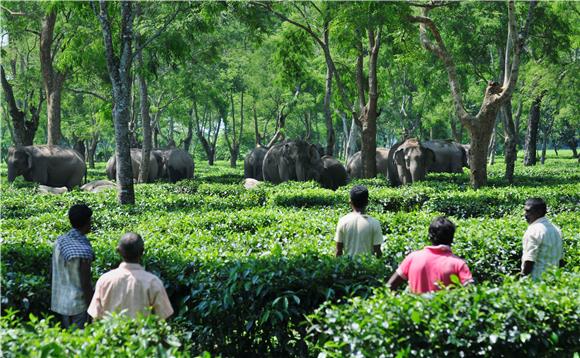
x: 456, y: 135
x: 510, y: 141
x: 189, y: 138
x: 330, y: 135
x: 351, y: 144
x: 119, y: 68
x: 492, y: 147
x: 145, y: 119
x: 480, y: 137
x: 91, y: 149
x: 256, y: 129
x: 532, y: 132
x: 23, y: 130
x: 52, y: 80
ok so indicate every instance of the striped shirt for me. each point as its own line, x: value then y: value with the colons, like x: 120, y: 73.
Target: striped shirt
x: 67, y: 296
x: 542, y: 244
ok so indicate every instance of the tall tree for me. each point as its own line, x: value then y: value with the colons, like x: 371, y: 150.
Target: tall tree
x: 119, y: 66
x: 53, y: 78
x: 480, y: 126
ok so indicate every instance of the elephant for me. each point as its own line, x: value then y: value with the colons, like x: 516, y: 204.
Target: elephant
x: 450, y: 157
x: 410, y: 160
x: 135, y: 164
x: 354, y: 166
x: 292, y: 160
x: 98, y: 185
x: 52, y: 166
x: 333, y: 173
x: 253, y: 163
x: 176, y: 164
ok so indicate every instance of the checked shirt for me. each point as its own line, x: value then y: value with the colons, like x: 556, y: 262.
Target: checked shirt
x: 67, y: 294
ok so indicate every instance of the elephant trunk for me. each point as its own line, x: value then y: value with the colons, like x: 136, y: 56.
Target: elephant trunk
x: 300, y: 173
x: 11, y: 174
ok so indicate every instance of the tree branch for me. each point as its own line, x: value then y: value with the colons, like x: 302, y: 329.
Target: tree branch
x: 94, y: 94
x: 13, y: 13
x: 166, y: 24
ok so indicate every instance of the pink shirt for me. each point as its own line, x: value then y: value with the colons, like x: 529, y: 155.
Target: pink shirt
x: 430, y: 269
x: 130, y: 289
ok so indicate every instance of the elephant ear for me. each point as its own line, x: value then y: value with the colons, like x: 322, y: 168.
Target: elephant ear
x: 400, y: 156
x: 28, y: 156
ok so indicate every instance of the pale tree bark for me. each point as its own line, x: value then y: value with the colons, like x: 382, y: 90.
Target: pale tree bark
x: 481, y: 125
x: 493, y: 143
x: 23, y: 128
x: 52, y: 79
x: 119, y: 68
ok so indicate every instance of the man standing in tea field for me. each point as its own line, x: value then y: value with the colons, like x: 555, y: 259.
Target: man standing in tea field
x: 72, y: 256
x: 130, y: 289
x: 358, y: 233
x: 542, y: 242
x: 431, y: 268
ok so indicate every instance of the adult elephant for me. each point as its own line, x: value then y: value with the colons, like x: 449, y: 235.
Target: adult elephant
x: 410, y: 160
x: 450, y: 157
x: 176, y: 164
x: 52, y: 166
x: 253, y: 163
x: 354, y: 166
x: 293, y: 160
x: 333, y: 173
x: 135, y: 166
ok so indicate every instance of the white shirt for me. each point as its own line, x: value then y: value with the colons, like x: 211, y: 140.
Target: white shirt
x: 542, y: 244
x: 359, y: 233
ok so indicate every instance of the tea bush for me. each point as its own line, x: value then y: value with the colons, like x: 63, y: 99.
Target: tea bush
x: 517, y: 318
x: 244, y: 267
x: 110, y: 337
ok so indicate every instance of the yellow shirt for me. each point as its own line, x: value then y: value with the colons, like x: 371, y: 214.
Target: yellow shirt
x: 358, y: 233
x: 132, y: 289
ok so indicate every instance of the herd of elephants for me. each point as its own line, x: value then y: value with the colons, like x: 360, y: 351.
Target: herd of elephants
x: 405, y: 162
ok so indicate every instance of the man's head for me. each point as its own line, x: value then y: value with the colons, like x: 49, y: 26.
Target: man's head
x: 534, y: 208
x: 359, y: 197
x: 131, y: 247
x: 80, y: 217
x: 441, y: 231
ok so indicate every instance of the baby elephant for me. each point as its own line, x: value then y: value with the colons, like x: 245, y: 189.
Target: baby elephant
x: 98, y: 186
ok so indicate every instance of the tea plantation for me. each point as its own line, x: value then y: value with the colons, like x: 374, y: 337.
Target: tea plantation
x: 253, y: 272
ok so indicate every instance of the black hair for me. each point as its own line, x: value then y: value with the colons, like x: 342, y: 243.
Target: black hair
x: 441, y: 231
x: 359, y: 196
x: 79, y: 215
x: 131, y: 246
x: 537, y: 205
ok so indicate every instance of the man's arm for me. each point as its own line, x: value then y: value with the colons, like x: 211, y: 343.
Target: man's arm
x: 395, y: 281
x: 85, y: 276
x: 528, y: 267
x: 339, y: 248
x: 377, y: 251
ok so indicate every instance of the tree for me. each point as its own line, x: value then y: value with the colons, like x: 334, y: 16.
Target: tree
x: 480, y: 126
x: 53, y: 78
x: 24, y: 127
x: 119, y: 67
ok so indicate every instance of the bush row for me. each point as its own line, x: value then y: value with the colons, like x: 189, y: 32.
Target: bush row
x: 110, y: 337
x: 518, y: 318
